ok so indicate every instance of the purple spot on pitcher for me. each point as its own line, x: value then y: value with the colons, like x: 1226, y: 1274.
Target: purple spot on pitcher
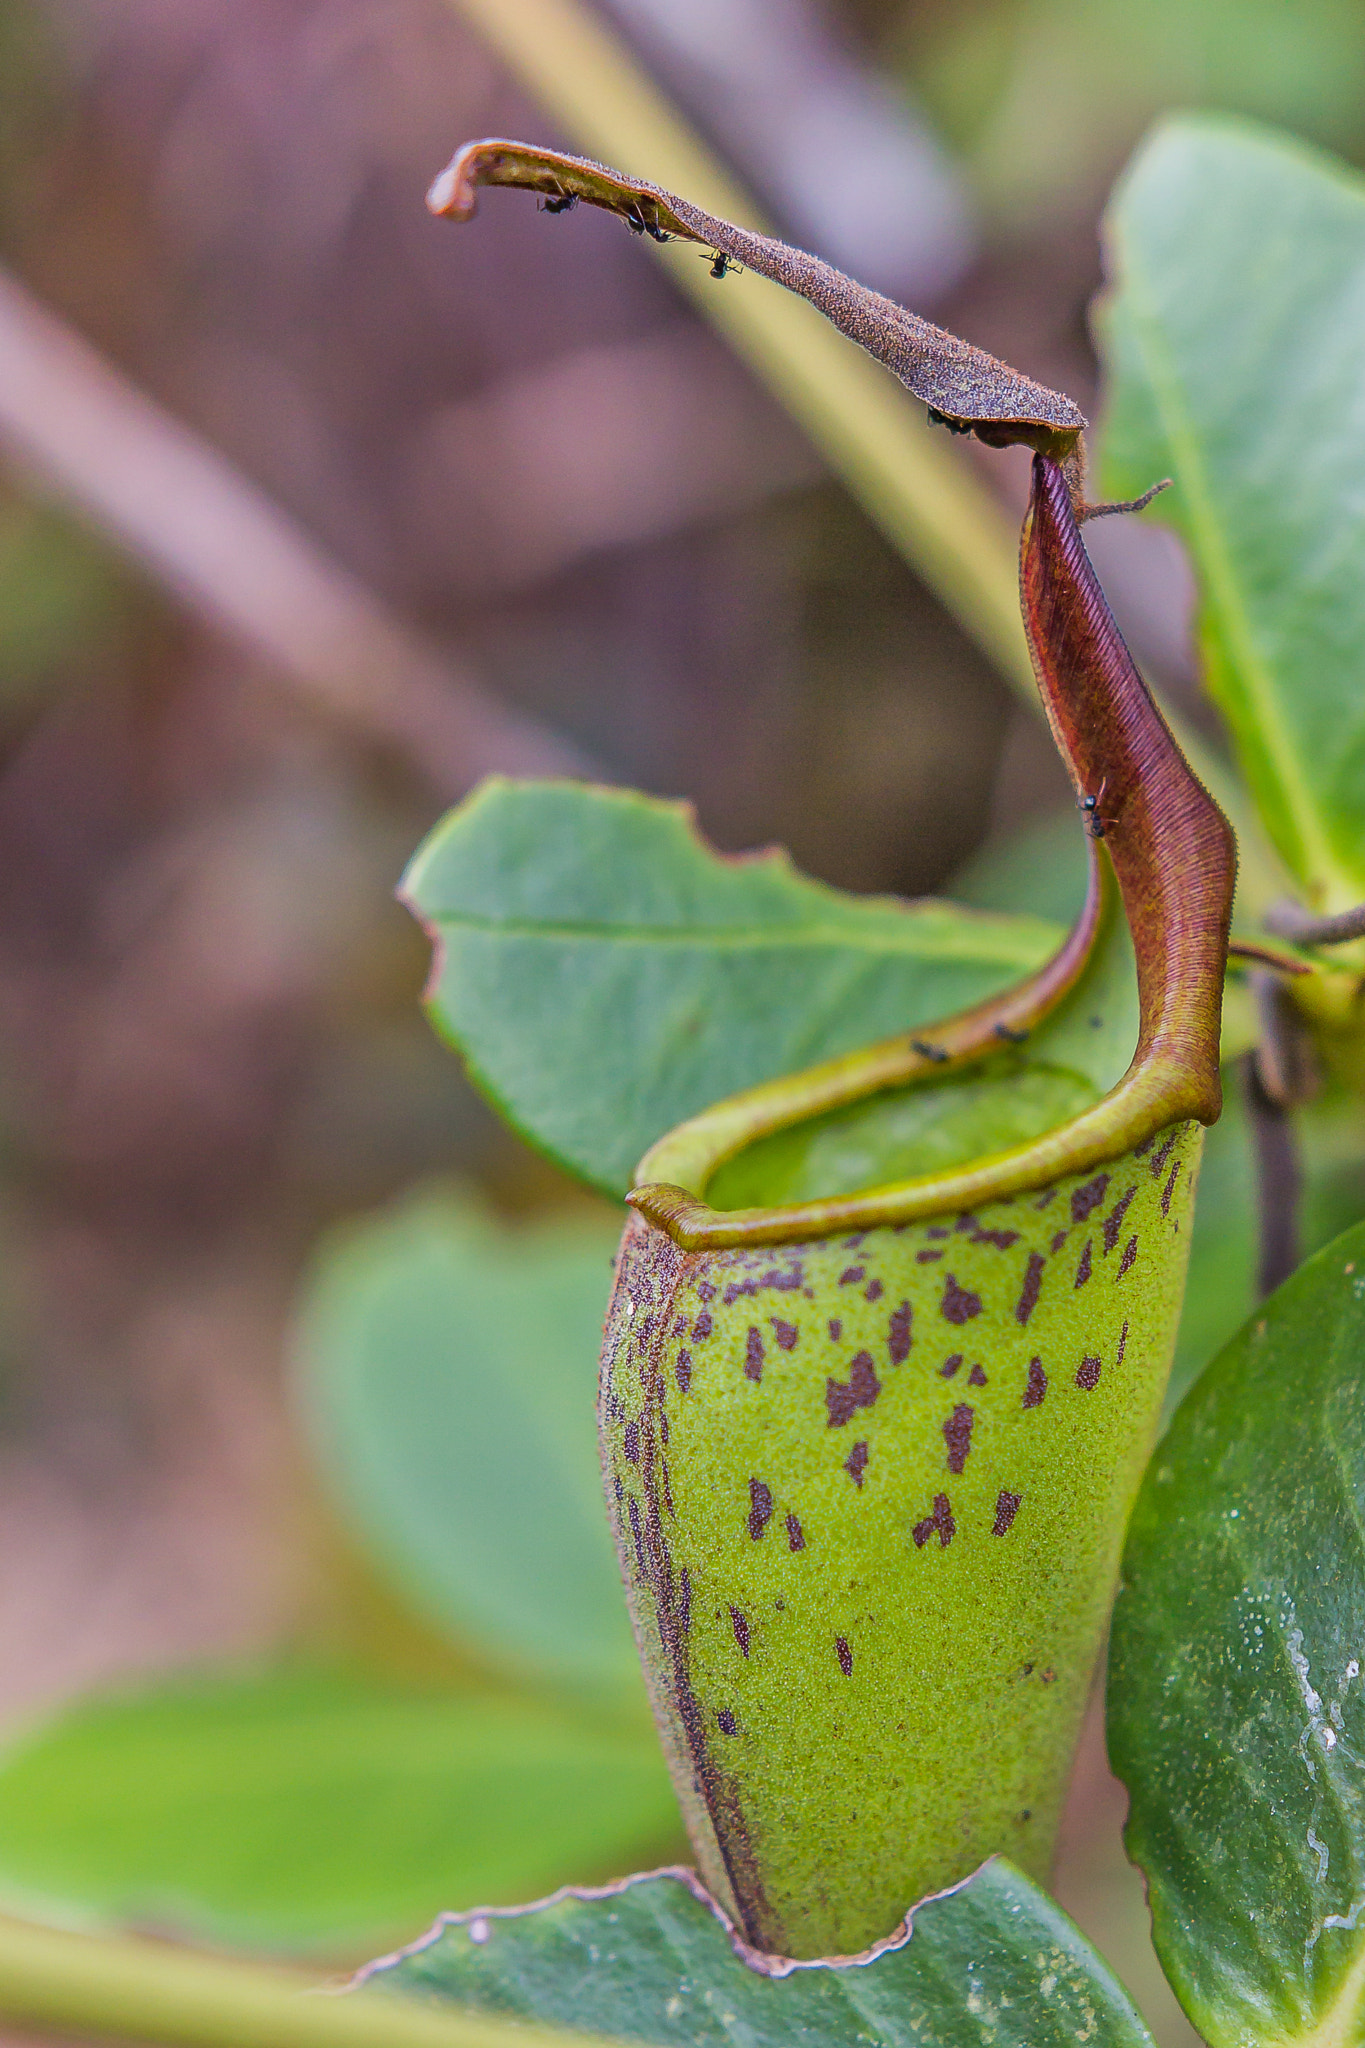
x: 959, y: 1304
x: 1006, y: 1508
x: 1033, y: 1280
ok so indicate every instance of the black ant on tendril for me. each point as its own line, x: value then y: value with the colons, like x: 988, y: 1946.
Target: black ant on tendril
x: 722, y: 265
x: 1089, y: 807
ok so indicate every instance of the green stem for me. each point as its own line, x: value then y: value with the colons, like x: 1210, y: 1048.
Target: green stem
x: 150, y: 1992
x: 904, y: 473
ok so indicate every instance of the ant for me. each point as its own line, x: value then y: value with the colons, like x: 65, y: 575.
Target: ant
x: 721, y: 264
x: 563, y: 202
x: 635, y: 220
x: 1089, y: 807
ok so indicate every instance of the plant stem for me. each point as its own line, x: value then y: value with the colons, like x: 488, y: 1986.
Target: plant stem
x: 1291, y: 921
x: 150, y: 1992
x: 904, y: 473
x: 1279, y: 1178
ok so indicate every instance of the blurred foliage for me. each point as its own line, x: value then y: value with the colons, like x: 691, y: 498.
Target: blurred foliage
x: 66, y: 601
x: 447, y: 1368
x: 446, y: 1372
x: 1221, y: 1291
x: 1040, y: 869
x: 1044, y: 98
x: 33, y: 104
x: 1211, y: 215
x: 317, y: 1812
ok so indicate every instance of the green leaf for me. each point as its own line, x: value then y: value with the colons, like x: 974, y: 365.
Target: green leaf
x: 1220, y: 1290
x: 605, y: 974
x: 1236, y: 1702
x: 62, y: 593
x: 994, y: 1962
x: 1041, y: 868
x: 1232, y: 339
x: 448, y: 1375
x: 309, y: 1812
x: 1107, y: 67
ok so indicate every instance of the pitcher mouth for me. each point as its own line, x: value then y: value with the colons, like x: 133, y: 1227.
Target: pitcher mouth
x: 1157, y: 841
x: 673, y: 1178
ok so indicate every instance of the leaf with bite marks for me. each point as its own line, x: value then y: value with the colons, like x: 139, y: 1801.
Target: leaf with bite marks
x: 606, y: 974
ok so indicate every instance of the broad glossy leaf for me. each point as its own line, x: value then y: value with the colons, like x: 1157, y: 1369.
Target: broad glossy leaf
x: 1232, y: 339
x: 1236, y: 1701
x: 312, y: 1812
x: 994, y: 1964
x: 606, y: 974
x: 448, y: 1370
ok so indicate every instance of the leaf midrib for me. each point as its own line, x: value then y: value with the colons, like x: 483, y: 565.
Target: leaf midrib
x: 739, y: 938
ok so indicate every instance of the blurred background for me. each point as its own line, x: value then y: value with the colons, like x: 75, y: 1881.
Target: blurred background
x: 313, y: 510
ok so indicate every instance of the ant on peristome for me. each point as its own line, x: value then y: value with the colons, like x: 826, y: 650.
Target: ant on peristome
x: 1089, y: 807
x: 721, y: 264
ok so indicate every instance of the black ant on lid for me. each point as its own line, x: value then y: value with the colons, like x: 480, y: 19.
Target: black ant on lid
x: 638, y: 225
x: 721, y: 264
x: 561, y: 202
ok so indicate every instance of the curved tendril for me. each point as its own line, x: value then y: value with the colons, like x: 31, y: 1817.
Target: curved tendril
x: 1174, y: 860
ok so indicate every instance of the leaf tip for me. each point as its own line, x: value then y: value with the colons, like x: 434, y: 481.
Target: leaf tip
x: 451, y: 194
